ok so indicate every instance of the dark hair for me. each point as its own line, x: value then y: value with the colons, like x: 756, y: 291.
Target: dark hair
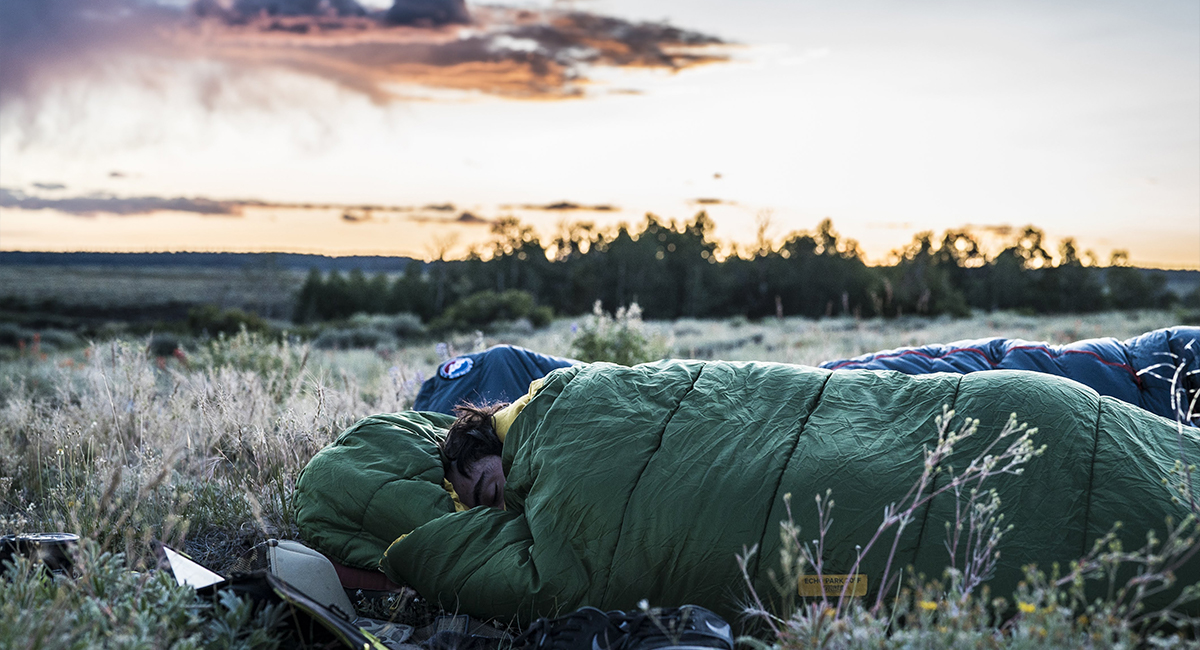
x: 471, y: 437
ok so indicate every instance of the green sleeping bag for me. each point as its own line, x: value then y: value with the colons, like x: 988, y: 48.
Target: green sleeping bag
x: 644, y: 483
x: 379, y: 479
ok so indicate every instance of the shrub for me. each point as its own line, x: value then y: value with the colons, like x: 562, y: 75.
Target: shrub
x: 484, y: 308
x: 279, y: 364
x: 377, y: 331
x: 111, y: 606
x: 12, y: 334
x: 59, y: 339
x: 163, y: 345
x: 47, y: 340
x: 403, y: 326
x: 336, y: 338
x: 211, y: 320
x: 621, y: 339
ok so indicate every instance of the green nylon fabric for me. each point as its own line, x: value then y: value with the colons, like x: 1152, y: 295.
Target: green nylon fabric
x: 644, y: 483
x: 379, y: 479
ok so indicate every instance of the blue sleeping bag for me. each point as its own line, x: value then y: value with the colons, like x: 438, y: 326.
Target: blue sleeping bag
x: 498, y: 374
x: 1141, y: 370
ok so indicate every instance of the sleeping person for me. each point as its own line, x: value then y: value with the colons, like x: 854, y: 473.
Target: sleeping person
x: 606, y: 485
x: 622, y: 484
x: 471, y: 456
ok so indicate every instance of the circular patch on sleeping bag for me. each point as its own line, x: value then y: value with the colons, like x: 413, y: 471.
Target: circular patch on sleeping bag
x: 455, y: 368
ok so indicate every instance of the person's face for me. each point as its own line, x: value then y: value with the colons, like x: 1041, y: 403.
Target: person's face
x: 483, y: 485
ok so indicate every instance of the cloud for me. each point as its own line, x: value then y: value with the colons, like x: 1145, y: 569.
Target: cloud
x: 94, y: 204
x: 291, y: 7
x: 470, y: 219
x: 357, y: 216
x: 567, y: 206
x: 465, y: 219
x: 518, y: 53
x: 104, y: 203
x: 996, y: 230
x: 436, y: 12
x: 42, y: 41
x: 507, y: 52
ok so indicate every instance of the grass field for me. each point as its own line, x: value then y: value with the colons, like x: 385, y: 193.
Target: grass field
x: 268, y: 291
x: 201, y: 449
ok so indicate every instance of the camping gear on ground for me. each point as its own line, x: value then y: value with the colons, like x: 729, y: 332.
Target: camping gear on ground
x: 638, y: 483
x: 186, y: 570
x: 676, y: 628
x: 461, y: 632
x: 1158, y: 371
x: 286, y: 571
x: 314, y: 624
x: 499, y: 374
x: 53, y: 550
x: 314, y: 574
x: 302, y: 567
x: 374, y: 596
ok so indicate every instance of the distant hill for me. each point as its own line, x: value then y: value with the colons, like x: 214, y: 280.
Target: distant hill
x: 293, y: 261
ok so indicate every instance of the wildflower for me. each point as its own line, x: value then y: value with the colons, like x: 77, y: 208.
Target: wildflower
x: 927, y: 605
x: 1027, y: 608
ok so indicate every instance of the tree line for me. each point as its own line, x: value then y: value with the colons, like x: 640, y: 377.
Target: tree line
x: 675, y: 270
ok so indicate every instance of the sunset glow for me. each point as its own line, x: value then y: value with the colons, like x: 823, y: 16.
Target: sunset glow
x: 888, y: 119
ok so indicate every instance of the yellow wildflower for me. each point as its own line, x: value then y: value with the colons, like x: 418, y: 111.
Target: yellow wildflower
x: 1027, y: 608
x: 927, y: 605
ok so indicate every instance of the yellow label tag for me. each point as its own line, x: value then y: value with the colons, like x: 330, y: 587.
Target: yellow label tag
x: 832, y: 585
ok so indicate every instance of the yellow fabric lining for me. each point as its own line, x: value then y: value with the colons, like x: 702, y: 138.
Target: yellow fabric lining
x: 505, y: 416
x: 458, y: 505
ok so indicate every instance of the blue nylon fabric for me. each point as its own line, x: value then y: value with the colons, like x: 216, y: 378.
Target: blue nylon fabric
x: 498, y: 374
x: 1140, y: 370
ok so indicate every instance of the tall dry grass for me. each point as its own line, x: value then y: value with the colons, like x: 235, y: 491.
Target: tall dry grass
x: 198, y: 449
x: 204, y: 447
x: 201, y: 451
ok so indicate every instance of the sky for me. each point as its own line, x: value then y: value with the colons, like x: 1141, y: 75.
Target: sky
x: 189, y: 127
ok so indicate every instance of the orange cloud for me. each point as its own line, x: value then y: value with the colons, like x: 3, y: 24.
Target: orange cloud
x: 516, y: 53
x: 507, y: 52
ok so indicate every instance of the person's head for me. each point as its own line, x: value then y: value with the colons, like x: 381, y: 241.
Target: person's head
x: 471, y: 456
